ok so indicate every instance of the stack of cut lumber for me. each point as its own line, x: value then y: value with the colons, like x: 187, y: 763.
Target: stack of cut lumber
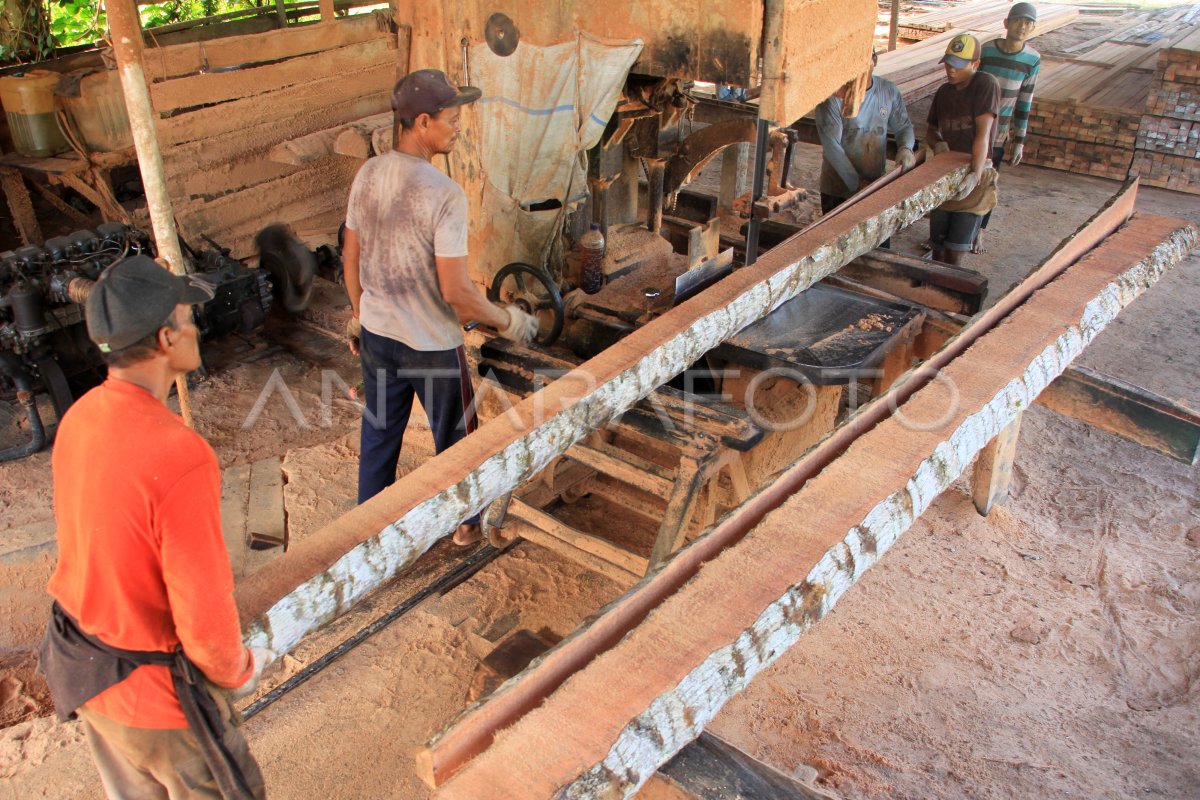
x: 1168, y: 142
x: 1091, y: 113
x: 1087, y: 111
x: 916, y: 70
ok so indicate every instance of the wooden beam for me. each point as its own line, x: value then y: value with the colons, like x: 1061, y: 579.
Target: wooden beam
x: 625, y: 466
x: 476, y: 728
x: 894, y: 25
x: 677, y: 668
x: 176, y: 60
x: 213, y: 88
x: 326, y: 573
x: 710, y: 768
x: 323, y: 143
x: 594, y: 545
x: 1128, y: 411
x: 993, y: 468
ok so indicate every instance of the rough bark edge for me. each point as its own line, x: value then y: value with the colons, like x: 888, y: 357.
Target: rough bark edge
x: 678, y: 716
x: 326, y: 596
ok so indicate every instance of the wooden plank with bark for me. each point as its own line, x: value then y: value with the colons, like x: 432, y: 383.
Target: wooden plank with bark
x: 476, y: 728
x: 706, y: 642
x: 329, y: 571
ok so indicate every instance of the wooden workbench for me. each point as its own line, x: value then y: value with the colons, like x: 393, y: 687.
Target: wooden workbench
x: 89, y: 177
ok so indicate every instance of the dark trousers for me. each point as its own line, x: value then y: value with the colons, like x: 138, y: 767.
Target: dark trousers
x: 829, y: 202
x: 393, y: 373
x: 997, y: 160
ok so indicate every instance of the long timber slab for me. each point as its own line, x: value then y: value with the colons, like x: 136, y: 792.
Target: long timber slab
x: 611, y: 725
x: 475, y: 729
x: 326, y: 574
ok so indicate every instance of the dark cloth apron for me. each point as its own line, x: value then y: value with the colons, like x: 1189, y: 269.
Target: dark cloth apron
x: 78, y: 666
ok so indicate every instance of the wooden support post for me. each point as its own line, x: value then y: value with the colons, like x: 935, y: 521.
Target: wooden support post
x: 993, y: 468
x: 281, y: 14
x: 63, y: 207
x: 894, y: 26
x: 624, y: 466
x: 681, y: 503
x: 19, y: 204
x: 126, y: 28
x: 327, y: 11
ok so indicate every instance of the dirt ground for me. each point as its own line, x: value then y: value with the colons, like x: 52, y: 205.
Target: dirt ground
x: 1050, y: 650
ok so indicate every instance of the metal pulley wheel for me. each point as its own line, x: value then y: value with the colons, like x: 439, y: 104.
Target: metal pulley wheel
x: 291, y: 265
x: 534, y: 292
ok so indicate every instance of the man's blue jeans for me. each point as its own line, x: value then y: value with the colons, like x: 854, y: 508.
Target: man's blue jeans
x: 393, y: 373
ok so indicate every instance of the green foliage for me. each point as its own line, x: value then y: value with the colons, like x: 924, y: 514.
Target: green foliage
x: 75, y: 22
x: 26, y: 34
x: 183, y: 10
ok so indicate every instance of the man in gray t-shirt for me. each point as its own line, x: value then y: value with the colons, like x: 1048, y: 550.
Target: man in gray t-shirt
x: 405, y: 262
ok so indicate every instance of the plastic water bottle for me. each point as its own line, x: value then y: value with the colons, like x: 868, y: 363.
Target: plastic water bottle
x: 591, y: 245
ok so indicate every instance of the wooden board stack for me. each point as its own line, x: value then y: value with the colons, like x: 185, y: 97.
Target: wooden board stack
x: 1168, y: 143
x: 1113, y: 112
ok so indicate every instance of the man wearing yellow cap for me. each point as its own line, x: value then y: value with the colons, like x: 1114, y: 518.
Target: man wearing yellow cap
x: 962, y: 118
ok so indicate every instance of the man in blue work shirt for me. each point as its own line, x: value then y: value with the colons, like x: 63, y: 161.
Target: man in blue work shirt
x: 854, y: 149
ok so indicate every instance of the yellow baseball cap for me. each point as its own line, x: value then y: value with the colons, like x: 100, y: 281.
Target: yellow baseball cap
x: 962, y: 50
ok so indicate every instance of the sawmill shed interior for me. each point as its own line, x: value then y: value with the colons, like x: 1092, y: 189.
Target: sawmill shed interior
x: 775, y: 503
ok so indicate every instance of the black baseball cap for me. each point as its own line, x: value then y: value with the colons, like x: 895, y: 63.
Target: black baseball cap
x: 429, y: 91
x: 134, y: 298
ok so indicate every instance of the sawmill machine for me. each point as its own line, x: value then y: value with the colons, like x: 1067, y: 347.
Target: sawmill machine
x: 585, y: 118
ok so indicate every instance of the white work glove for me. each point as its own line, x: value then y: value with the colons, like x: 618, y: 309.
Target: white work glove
x: 968, y: 186
x: 1018, y: 153
x: 939, y: 147
x: 353, y: 333
x: 905, y: 158
x: 521, y: 327
x: 262, y: 656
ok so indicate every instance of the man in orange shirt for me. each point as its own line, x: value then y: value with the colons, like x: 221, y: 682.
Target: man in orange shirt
x: 144, y: 616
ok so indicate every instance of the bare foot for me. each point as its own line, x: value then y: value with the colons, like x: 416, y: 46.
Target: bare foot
x: 977, y: 247
x: 468, y: 534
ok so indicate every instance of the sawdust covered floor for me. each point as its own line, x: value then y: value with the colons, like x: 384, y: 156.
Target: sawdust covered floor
x: 1050, y: 650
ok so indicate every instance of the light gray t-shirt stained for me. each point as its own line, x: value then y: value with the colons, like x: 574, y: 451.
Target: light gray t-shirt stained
x: 405, y: 213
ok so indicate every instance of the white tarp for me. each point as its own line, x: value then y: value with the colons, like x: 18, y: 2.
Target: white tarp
x: 542, y: 107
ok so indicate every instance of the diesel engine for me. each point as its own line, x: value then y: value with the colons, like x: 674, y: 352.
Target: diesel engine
x: 43, y: 339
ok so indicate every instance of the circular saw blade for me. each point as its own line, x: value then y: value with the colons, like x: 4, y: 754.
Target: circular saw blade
x: 501, y: 34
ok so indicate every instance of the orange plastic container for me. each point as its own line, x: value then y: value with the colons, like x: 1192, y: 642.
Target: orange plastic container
x: 98, y: 113
x: 28, y: 101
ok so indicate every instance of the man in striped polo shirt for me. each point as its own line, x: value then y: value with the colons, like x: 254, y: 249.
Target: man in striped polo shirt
x: 1015, y: 66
